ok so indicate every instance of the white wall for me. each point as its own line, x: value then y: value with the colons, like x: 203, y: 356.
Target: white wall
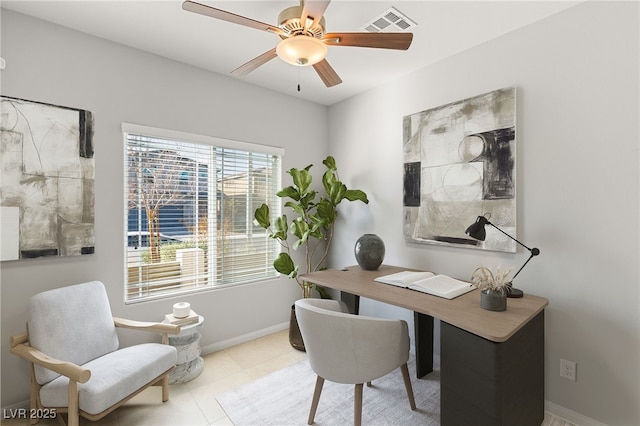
x: 52, y: 64
x: 576, y: 75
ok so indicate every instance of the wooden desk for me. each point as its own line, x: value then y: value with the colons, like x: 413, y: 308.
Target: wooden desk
x: 491, y: 363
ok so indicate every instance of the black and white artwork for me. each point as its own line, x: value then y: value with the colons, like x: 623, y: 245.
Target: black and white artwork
x: 459, y: 163
x: 46, y: 180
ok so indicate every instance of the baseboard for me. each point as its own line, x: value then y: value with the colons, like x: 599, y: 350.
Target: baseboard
x: 570, y: 415
x: 214, y: 347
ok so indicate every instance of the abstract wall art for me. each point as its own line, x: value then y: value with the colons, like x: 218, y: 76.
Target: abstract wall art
x: 46, y: 180
x: 459, y: 163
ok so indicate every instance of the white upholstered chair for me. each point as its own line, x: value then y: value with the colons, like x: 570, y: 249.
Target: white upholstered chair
x: 351, y: 349
x: 77, y: 366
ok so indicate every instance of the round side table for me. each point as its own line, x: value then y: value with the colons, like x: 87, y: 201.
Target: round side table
x: 189, y: 364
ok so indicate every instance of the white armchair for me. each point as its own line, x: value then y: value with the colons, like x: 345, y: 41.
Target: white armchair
x: 77, y: 366
x: 351, y: 349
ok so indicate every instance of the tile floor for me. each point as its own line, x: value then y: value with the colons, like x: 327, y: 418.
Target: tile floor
x: 194, y: 403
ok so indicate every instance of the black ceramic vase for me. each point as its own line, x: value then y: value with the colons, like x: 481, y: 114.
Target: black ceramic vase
x: 369, y: 251
x: 493, y: 300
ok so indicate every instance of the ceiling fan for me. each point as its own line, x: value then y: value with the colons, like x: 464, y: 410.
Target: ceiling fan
x: 304, y: 41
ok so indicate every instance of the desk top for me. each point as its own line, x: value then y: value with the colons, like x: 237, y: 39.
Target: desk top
x: 463, y: 312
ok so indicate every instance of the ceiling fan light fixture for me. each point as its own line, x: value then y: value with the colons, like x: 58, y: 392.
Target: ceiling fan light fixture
x: 301, y: 50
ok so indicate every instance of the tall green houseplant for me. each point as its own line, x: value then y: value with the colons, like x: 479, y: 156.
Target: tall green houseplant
x: 313, y: 222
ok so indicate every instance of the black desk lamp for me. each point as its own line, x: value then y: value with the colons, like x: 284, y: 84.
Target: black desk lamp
x: 477, y: 231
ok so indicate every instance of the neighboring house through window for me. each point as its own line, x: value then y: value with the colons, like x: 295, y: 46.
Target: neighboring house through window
x: 189, y: 210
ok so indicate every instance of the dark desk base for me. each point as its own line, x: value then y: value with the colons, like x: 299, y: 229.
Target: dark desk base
x: 423, y: 341
x: 482, y: 382
x: 488, y: 383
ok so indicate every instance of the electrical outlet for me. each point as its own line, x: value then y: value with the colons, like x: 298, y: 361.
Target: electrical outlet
x: 568, y: 369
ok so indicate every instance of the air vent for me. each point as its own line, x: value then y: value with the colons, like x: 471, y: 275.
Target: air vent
x: 390, y: 21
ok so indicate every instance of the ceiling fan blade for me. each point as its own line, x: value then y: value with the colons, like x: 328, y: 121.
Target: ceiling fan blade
x: 313, y: 9
x: 192, y: 6
x: 245, y: 69
x: 326, y: 72
x: 398, y: 41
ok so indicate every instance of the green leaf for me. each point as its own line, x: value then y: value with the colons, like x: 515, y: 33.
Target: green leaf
x: 307, y: 200
x: 326, y: 212
x: 303, y: 239
x: 316, y: 221
x: 317, y: 225
x: 317, y: 234
x: 290, y: 192
x: 300, y: 229
x: 301, y: 179
x: 261, y: 216
x: 280, y: 228
x: 294, y: 273
x: 337, y: 192
x: 296, y: 207
x: 356, y: 195
x: 284, y: 264
x: 330, y: 162
x: 327, y: 180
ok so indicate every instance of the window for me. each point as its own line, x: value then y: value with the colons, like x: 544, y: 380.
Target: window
x: 189, y: 204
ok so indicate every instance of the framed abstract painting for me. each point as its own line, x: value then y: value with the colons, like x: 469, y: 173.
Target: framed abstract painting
x: 46, y: 180
x: 460, y: 163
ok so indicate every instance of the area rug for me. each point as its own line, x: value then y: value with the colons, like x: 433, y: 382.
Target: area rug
x: 284, y: 398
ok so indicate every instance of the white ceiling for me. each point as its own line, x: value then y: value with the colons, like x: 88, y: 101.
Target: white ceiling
x: 162, y: 27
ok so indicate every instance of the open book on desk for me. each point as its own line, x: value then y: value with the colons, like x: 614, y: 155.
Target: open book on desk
x: 428, y: 282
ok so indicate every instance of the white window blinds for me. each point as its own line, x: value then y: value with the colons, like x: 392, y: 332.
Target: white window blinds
x: 189, y: 208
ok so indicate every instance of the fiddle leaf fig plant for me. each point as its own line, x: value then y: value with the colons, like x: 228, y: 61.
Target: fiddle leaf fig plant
x: 312, y: 223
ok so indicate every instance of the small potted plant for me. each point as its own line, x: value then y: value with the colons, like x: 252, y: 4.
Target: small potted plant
x: 494, y: 287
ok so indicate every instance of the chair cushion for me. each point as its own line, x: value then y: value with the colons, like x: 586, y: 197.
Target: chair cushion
x: 114, y: 376
x: 72, y: 323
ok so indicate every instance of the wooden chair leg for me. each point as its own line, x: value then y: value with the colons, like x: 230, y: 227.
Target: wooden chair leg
x: 72, y: 413
x: 316, y: 398
x: 165, y: 388
x: 357, y: 405
x: 407, y: 385
x: 33, y: 398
